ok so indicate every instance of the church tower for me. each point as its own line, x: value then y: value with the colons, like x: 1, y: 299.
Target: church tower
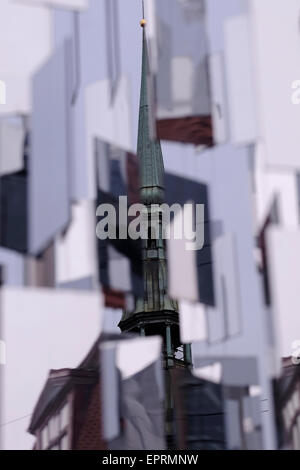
x: 156, y: 313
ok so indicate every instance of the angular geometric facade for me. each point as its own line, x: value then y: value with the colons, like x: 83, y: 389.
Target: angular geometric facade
x: 220, y: 88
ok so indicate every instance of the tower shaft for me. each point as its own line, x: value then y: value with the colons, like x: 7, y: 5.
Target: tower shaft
x: 155, y: 313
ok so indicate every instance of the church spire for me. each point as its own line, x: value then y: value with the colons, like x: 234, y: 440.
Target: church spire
x: 148, y: 150
x: 156, y: 309
x: 155, y: 313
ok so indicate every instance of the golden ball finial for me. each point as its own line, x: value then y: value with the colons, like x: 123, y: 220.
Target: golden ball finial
x: 143, y: 23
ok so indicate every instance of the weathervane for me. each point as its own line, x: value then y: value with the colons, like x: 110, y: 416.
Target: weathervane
x: 143, y: 22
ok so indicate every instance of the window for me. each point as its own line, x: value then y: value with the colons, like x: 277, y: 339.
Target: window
x: 44, y: 438
x: 54, y: 435
x: 296, y: 437
x: 53, y: 427
x: 64, y: 443
x: 291, y: 414
x: 296, y: 401
x: 64, y: 416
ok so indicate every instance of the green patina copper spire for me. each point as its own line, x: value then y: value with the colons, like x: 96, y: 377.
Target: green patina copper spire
x: 148, y: 150
x: 156, y: 307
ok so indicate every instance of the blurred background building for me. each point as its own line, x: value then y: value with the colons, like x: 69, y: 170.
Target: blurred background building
x: 222, y: 93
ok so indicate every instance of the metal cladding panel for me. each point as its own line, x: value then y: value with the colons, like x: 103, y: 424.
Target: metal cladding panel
x: 133, y: 369
x: 240, y: 80
x: 25, y: 42
x: 276, y: 29
x: 49, y: 201
x: 283, y: 251
x: 182, y: 79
